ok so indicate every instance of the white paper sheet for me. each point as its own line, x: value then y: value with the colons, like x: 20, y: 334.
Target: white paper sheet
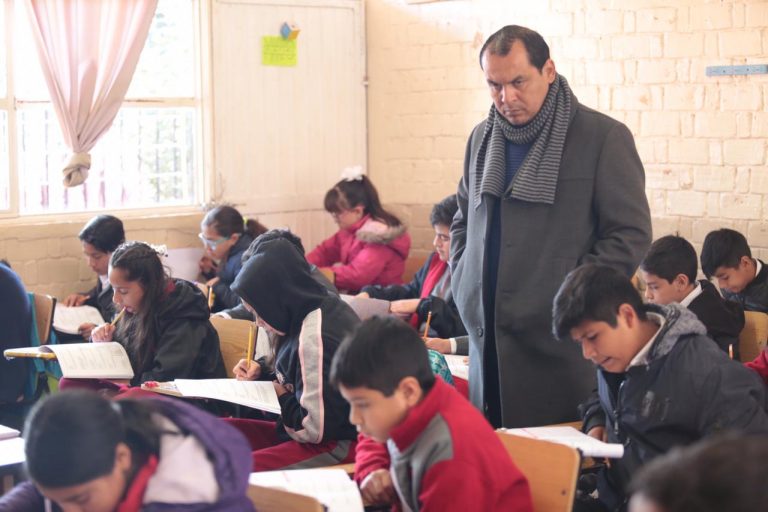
x: 589, y: 446
x: 183, y: 263
x: 68, y: 320
x: 256, y: 394
x: 93, y: 360
x: 458, y: 366
x: 331, y: 487
x: 8, y: 432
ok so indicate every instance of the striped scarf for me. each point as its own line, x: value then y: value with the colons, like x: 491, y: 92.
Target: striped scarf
x: 536, y: 179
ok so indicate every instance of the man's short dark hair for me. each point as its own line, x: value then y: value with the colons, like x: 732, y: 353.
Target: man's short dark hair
x: 443, y: 212
x: 104, y: 232
x: 723, y: 248
x: 272, y: 234
x: 713, y: 475
x: 380, y: 353
x: 500, y: 43
x: 592, y: 292
x: 670, y: 256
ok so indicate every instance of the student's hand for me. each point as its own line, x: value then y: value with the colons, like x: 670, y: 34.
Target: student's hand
x: 243, y: 372
x: 404, y: 307
x: 207, y: 266
x: 85, y: 330
x: 103, y: 332
x: 377, y: 488
x: 203, y: 288
x: 75, y: 299
x: 598, y: 433
x: 279, y: 388
x: 212, y: 282
x: 363, y: 295
x: 439, y: 344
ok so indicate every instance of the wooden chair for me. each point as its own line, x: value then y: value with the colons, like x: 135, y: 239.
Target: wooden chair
x: 233, y: 340
x: 44, y: 306
x: 753, y: 336
x: 267, y: 499
x: 412, y: 265
x: 328, y: 273
x: 552, y: 471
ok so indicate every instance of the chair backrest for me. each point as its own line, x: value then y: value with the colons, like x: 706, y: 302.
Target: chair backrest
x: 233, y: 340
x: 267, y: 499
x: 328, y: 273
x: 754, y: 335
x: 412, y: 265
x: 552, y: 471
x: 44, y: 306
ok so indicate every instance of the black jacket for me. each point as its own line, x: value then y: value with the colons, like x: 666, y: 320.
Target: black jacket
x: 187, y: 344
x: 15, y: 327
x: 445, y: 317
x: 224, y: 297
x: 754, y: 297
x: 724, y: 319
x: 277, y: 283
x: 688, y: 389
x: 100, y: 297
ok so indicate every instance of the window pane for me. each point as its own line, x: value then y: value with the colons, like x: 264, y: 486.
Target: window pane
x: 167, y: 63
x: 146, y: 159
x: 28, y: 75
x: 3, y: 63
x: 4, y: 175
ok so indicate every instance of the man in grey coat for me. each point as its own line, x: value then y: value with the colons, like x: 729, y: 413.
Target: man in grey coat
x: 548, y: 185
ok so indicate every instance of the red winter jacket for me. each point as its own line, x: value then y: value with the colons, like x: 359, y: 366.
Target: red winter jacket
x: 760, y: 365
x: 445, y: 456
x: 369, y: 252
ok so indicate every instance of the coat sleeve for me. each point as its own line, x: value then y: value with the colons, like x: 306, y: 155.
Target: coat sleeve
x: 462, y: 345
x: 364, y: 268
x: 392, y: 292
x: 623, y: 225
x: 238, y: 313
x: 760, y: 365
x: 459, y: 225
x: 24, y: 498
x: 179, y: 346
x: 591, y: 412
x: 370, y: 456
x: 327, y: 253
x: 225, y: 296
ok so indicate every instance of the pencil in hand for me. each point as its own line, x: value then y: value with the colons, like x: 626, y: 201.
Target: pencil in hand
x: 211, y: 297
x: 117, y: 318
x: 426, y: 327
x: 252, y: 330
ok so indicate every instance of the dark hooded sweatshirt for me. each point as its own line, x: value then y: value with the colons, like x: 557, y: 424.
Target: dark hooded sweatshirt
x: 187, y: 346
x: 276, y: 282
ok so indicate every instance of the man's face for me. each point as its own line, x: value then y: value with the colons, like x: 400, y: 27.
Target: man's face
x: 735, y: 279
x: 517, y: 88
x: 611, y: 348
x: 660, y: 291
x: 442, y: 241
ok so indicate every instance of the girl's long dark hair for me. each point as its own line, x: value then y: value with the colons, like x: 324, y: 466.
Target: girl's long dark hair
x: 141, y: 263
x: 227, y: 221
x: 348, y: 194
x: 71, y: 437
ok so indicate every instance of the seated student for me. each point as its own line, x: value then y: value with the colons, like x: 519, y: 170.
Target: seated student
x: 16, y: 322
x: 717, y: 475
x: 661, y: 381
x: 440, y: 453
x: 100, y: 237
x: 669, y: 272
x: 371, y: 245
x: 84, y: 452
x: 430, y: 289
x: 226, y: 236
x: 166, y: 329
x: 239, y: 311
x: 305, y: 325
x: 743, y: 279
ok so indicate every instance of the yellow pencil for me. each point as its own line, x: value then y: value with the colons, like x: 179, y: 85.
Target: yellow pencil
x: 118, y: 317
x: 252, y: 330
x: 426, y: 327
x: 211, y: 297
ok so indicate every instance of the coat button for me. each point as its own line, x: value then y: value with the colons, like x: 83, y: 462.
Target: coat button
x: 480, y: 331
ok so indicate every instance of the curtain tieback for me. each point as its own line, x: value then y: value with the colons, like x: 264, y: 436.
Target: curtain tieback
x: 76, y: 170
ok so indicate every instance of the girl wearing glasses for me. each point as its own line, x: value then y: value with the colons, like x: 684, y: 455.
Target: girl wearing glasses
x: 371, y: 244
x: 226, y: 236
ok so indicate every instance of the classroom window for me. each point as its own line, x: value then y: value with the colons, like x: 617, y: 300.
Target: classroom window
x: 150, y: 157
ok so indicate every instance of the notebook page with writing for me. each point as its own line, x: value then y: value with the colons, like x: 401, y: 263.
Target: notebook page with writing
x: 256, y: 394
x: 331, y: 487
x: 458, y: 365
x: 589, y: 446
x: 93, y: 360
x: 68, y: 320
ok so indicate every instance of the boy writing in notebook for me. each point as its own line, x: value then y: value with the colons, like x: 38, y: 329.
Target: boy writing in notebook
x: 661, y: 381
x: 669, y: 271
x: 440, y: 453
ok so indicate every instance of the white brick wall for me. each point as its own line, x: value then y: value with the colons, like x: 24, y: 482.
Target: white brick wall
x: 702, y: 139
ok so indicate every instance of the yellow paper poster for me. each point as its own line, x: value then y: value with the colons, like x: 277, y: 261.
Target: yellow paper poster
x: 276, y: 51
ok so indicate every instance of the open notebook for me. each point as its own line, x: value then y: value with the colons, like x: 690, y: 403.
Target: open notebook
x: 68, y: 320
x: 458, y: 365
x: 255, y: 394
x: 331, y: 487
x: 365, y: 308
x: 82, y: 360
x: 8, y: 432
x: 588, y: 446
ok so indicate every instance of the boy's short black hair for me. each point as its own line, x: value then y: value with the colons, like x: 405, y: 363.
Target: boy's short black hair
x: 104, y: 232
x: 380, y: 353
x: 714, y: 475
x: 443, y: 212
x: 723, y: 248
x: 670, y: 256
x: 592, y: 292
x: 272, y: 234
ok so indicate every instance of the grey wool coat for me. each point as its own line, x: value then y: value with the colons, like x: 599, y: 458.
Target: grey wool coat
x: 600, y: 215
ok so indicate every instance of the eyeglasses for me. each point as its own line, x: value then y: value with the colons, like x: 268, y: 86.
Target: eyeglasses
x: 212, y: 243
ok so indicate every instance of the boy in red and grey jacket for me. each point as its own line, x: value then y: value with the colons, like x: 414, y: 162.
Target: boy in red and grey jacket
x: 440, y: 453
